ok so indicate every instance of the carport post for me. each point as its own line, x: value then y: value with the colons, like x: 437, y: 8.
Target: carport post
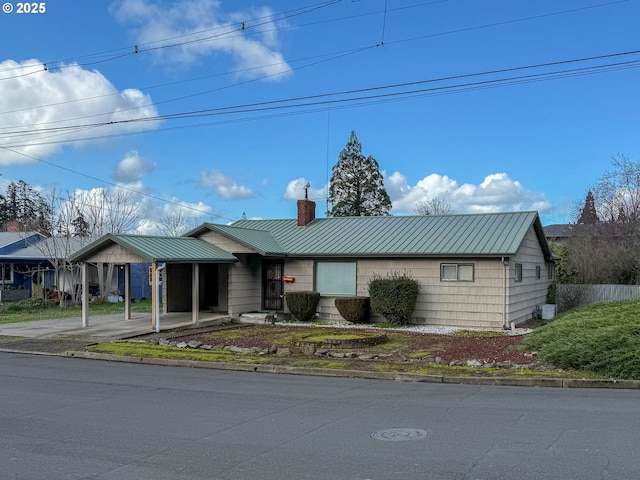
x: 195, y: 292
x: 127, y: 291
x: 85, y: 294
x: 156, y: 292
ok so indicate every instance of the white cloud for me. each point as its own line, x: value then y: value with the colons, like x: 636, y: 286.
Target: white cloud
x: 44, y: 110
x: 496, y: 193
x: 295, y: 191
x: 203, y: 30
x: 132, y: 168
x: 224, y: 186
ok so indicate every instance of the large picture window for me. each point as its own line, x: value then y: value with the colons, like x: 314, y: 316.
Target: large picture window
x: 335, y: 278
x: 456, y: 272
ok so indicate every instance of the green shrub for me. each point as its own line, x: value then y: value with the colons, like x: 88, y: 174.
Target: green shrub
x: 394, y: 296
x: 302, y: 305
x: 354, y: 309
x: 551, y: 293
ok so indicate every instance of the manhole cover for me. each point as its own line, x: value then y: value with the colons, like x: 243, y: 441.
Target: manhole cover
x: 400, y: 434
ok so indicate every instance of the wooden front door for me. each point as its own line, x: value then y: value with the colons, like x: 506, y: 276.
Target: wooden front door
x: 272, y: 284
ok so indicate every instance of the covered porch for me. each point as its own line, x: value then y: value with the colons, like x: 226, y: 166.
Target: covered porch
x: 188, y: 275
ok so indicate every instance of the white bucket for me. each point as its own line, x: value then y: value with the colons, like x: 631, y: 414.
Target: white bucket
x: 548, y: 311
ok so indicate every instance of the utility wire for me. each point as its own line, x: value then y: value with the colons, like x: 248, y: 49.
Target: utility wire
x: 321, y: 99
x: 122, y: 187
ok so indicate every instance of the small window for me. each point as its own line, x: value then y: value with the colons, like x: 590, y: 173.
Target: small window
x: 335, y: 278
x: 550, y: 271
x: 538, y: 272
x: 7, y: 272
x: 456, y: 272
x: 518, y: 275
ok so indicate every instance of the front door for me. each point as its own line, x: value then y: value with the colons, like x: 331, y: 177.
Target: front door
x: 272, y: 284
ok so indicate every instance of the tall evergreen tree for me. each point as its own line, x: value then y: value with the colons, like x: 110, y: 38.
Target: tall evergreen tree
x: 27, y: 206
x: 588, y: 214
x: 357, y: 188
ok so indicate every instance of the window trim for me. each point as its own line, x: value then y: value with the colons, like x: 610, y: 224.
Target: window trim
x: 551, y: 270
x: 9, y: 273
x: 327, y: 293
x: 457, y: 265
x: 517, y: 274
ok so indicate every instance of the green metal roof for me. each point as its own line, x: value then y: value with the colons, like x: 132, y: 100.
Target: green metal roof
x: 261, y: 241
x: 160, y: 249
x: 491, y: 234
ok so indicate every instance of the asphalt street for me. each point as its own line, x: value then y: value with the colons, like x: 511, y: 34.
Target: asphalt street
x: 69, y: 418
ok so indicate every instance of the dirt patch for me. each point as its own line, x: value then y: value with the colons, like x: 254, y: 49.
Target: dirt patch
x: 448, y: 348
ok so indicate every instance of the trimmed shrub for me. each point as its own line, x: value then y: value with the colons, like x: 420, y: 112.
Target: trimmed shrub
x: 354, y: 309
x: 302, y: 305
x: 394, y: 296
x: 552, y: 293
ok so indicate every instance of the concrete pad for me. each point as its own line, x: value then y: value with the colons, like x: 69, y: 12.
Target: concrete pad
x: 102, y: 327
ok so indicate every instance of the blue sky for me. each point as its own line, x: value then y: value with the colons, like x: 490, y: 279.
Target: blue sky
x: 230, y: 107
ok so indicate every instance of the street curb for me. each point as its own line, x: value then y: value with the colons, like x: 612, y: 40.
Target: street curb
x: 395, y: 376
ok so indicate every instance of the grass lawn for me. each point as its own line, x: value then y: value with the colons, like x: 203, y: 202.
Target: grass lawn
x: 34, y: 309
x: 602, y: 338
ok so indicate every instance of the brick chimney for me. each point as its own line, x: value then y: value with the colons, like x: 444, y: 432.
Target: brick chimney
x: 306, y: 209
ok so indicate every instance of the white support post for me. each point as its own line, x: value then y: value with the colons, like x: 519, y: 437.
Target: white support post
x: 158, y: 267
x: 195, y: 292
x: 85, y: 295
x: 127, y: 291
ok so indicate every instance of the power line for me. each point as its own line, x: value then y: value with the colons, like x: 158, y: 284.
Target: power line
x: 339, y: 54
x: 347, y: 96
x: 121, y: 187
x: 136, y: 49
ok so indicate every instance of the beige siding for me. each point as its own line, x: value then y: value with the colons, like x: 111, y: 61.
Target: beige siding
x: 302, y: 271
x: 465, y: 304
x: 117, y: 254
x: 245, y: 285
x: 225, y: 243
x: 531, y: 291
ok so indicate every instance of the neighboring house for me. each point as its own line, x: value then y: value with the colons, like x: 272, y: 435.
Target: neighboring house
x: 28, y: 263
x: 565, y: 232
x: 22, y: 270
x: 483, y: 270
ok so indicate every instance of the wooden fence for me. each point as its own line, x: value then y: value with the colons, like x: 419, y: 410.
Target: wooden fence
x: 570, y: 296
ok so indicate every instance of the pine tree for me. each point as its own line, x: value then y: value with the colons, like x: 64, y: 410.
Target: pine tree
x: 357, y: 188
x: 588, y: 214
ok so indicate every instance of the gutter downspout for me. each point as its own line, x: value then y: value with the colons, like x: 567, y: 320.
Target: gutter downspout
x: 505, y: 320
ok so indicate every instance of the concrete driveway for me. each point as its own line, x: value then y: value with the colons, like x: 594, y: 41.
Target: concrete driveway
x: 54, y: 336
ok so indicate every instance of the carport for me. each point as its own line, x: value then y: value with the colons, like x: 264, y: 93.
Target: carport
x: 165, y: 254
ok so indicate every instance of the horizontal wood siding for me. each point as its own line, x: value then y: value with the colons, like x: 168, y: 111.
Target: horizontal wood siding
x: 225, y: 243
x: 525, y: 295
x: 117, y: 254
x: 465, y: 304
x: 302, y: 271
x: 245, y: 286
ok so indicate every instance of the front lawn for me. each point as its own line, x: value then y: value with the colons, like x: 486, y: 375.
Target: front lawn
x: 602, y: 338
x: 35, y: 309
